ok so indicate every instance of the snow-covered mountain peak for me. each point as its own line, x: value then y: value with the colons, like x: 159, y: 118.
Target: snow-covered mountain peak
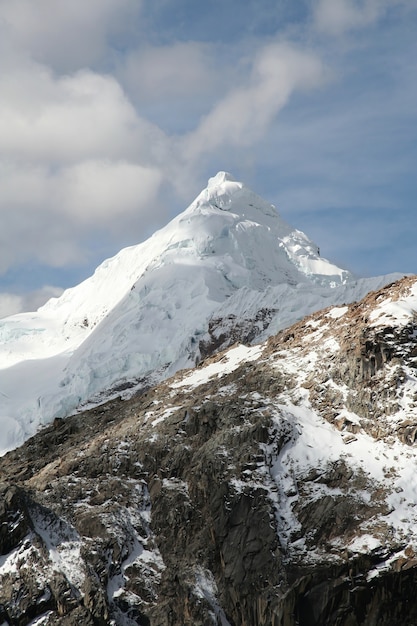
x: 224, y: 193
x: 219, y: 179
x: 228, y: 265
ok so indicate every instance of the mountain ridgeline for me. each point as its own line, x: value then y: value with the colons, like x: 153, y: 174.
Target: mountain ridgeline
x: 226, y: 435
x: 226, y: 269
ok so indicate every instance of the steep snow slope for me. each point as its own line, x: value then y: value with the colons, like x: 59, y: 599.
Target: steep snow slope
x: 143, y: 312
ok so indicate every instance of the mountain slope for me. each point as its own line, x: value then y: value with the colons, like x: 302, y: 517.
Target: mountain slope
x: 227, y: 267
x: 273, y: 484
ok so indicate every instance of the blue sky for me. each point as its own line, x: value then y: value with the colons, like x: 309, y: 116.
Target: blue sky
x: 114, y: 113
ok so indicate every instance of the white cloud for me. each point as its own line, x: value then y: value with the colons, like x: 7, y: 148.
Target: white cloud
x: 32, y: 300
x: 47, y: 212
x: 244, y: 114
x: 337, y: 16
x: 75, y: 157
x: 105, y: 190
x: 11, y: 304
x: 84, y: 192
x: 180, y: 70
x: 85, y: 115
x: 66, y: 35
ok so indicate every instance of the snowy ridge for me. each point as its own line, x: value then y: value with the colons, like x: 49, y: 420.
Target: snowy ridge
x: 143, y: 312
x: 376, y: 452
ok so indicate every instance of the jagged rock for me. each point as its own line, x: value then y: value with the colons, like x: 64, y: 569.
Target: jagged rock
x: 15, y: 523
x: 224, y: 332
x: 218, y: 498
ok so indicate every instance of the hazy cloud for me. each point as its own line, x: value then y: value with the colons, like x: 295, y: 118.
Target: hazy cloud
x: 75, y: 156
x: 46, y: 210
x: 244, y: 114
x: 337, y: 16
x: 11, y: 303
x: 179, y: 70
x: 105, y: 190
x: 66, y: 35
x: 59, y: 120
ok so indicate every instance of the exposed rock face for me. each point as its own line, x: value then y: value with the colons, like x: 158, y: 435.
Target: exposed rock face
x: 224, y: 332
x: 367, y: 373
x: 269, y: 486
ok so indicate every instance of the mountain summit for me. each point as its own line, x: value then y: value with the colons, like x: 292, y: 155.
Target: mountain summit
x: 257, y: 239
x: 228, y: 268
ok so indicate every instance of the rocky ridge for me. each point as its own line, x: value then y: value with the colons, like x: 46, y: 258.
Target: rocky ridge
x: 271, y: 485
